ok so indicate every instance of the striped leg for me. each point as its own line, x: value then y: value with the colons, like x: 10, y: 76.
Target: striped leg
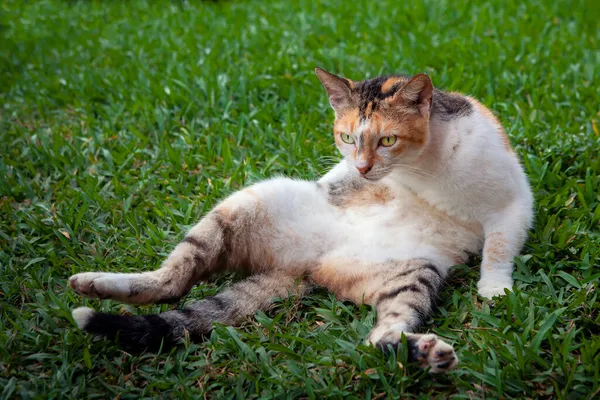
x: 402, y: 304
x: 219, y: 240
x: 229, y: 307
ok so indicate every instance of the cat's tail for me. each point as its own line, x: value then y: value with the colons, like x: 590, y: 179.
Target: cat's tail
x: 230, y: 307
x: 143, y: 332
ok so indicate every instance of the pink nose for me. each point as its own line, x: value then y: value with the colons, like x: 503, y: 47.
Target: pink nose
x: 364, y: 170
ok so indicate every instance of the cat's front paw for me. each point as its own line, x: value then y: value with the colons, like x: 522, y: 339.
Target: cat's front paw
x: 489, y: 288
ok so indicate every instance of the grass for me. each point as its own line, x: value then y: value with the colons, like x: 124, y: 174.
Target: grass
x: 122, y: 123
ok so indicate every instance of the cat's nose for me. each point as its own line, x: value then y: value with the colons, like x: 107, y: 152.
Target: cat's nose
x: 364, y: 170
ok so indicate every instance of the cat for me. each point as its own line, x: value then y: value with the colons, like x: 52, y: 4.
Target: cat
x: 427, y: 180
x: 448, y: 148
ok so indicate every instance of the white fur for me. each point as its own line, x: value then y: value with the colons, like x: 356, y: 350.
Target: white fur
x: 97, y: 284
x: 82, y: 316
x: 466, y: 171
x: 310, y: 229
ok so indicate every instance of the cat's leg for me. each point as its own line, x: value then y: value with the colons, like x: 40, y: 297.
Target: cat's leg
x: 220, y: 240
x: 403, y: 302
x: 505, y: 235
x: 229, y: 307
x: 194, y: 258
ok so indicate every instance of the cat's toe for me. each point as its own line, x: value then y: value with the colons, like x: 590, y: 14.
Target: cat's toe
x: 431, y: 352
x: 489, y: 289
x: 84, y: 284
x: 427, y: 350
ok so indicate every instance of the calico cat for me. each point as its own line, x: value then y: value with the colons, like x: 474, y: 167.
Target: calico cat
x: 428, y: 179
x: 448, y: 149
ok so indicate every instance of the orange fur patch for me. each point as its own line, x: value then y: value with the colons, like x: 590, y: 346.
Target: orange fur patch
x: 369, y: 109
x: 389, y: 84
x: 495, y: 250
x: 346, y: 123
x: 344, y: 284
x: 487, y: 113
x: 369, y: 152
x: 376, y: 122
x: 367, y: 196
x: 412, y: 130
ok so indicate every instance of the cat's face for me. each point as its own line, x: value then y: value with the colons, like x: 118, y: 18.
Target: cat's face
x: 380, y: 124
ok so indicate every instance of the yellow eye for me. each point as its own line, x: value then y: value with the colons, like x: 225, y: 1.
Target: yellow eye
x: 387, y: 141
x: 347, y: 138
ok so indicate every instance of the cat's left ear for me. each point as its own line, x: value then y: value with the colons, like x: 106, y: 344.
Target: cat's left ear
x: 338, y: 88
x: 416, y: 93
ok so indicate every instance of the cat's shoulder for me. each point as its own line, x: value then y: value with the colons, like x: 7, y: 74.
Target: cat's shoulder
x: 450, y: 106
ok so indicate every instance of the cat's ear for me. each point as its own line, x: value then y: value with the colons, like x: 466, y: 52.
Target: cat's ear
x: 337, y: 87
x: 416, y: 93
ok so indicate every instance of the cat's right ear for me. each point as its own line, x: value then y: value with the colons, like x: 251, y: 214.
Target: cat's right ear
x: 337, y: 87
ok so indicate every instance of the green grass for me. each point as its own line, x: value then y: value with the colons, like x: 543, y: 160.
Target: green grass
x: 122, y: 124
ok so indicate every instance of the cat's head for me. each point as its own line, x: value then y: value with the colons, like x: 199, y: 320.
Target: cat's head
x: 381, y: 123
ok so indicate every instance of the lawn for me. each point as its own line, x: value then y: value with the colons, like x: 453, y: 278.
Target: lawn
x: 122, y: 123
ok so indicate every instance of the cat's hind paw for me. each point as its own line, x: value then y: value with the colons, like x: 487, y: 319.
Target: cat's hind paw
x: 427, y: 350
x: 432, y: 352
x: 100, y: 285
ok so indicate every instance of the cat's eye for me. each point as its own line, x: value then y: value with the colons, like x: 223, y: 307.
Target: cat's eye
x: 387, y: 141
x: 347, y: 138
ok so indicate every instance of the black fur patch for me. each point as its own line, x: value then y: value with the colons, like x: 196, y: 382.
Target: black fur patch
x: 430, y: 287
x: 219, y: 303
x: 432, y: 290
x: 447, y: 106
x: 168, y: 300
x: 444, y: 105
x: 414, y: 354
x: 201, y: 245
x: 369, y: 91
x: 395, y: 292
x: 446, y: 364
x: 404, y: 273
x: 431, y: 267
x: 136, y: 333
x: 421, y: 314
x: 228, y: 237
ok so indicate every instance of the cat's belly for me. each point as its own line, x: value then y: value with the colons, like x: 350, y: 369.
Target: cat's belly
x: 302, y: 223
x: 407, y: 227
